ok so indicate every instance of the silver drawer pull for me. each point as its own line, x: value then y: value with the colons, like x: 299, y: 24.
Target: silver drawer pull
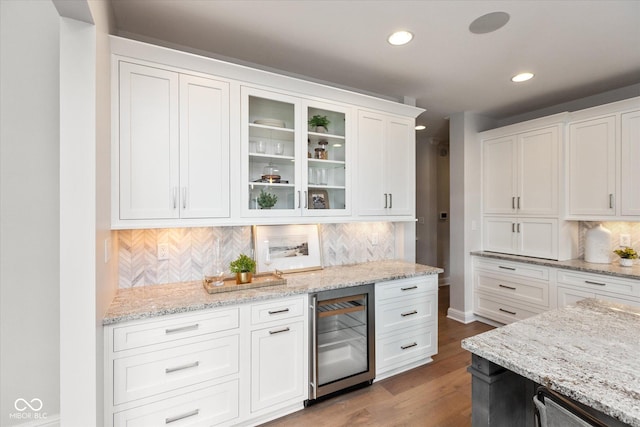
x: 181, y: 417
x: 413, y: 344
x: 506, y: 268
x: 408, y: 313
x: 279, y: 331
x: 182, y: 329
x: 284, y: 310
x: 181, y: 368
x: 595, y: 283
x: 409, y: 288
x: 507, y: 311
x: 507, y: 287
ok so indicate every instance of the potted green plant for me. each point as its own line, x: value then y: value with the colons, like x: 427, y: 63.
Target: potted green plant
x: 243, y: 267
x: 267, y: 200
x: 627, y: 255
x: 319, y: 123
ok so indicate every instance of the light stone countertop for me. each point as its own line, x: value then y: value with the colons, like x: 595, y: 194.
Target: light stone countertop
x: 588, y: 352
x: 159, y: 300
x: 613, y: 269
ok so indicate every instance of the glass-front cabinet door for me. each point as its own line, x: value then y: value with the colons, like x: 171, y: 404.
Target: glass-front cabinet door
x: 328, y: 147
x: 290, y: 166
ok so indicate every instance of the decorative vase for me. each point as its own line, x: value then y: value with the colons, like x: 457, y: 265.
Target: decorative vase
x: 626, y: 262
x: 597, y: 247
x: 244, y: 277
x: 321, y: 129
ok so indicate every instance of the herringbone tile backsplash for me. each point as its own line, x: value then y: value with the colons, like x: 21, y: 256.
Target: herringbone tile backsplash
x: 616, y: 228
x: 138, y: 263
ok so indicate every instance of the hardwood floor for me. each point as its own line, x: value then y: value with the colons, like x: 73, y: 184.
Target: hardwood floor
x: 433, y: 395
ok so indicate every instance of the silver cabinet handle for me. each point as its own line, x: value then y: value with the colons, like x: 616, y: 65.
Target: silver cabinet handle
x: 611, y: 200
x: 174, y: 192
x: 284, y: 310
x: 385, y: 201
x: 182, y: 329
x: 413, y: 344
x: 506, y: 268
x: 513, y: 227
x: 409, y: 288
x: 279, y: 331
x: 305, y: 200
x: 298, y: 199
x: 184, y: 197
x: 314, y: 348
x: 507, y: 311
x: 595, y: 283
x: 408, y: 313
x: 181, y: 417
x: 513, y: 202
x: 518, y: 227
x: 518, y: 202
x: 390, y: 200
x: 507, y: 287
x: 182, y: 367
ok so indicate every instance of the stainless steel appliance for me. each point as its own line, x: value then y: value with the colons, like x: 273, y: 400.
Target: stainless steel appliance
x: 342, y: 340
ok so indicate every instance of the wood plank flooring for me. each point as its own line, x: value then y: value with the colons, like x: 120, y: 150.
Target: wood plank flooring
x: 434, y: 395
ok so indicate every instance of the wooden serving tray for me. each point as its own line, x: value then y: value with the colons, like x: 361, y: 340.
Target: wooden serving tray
x: 260, y: 280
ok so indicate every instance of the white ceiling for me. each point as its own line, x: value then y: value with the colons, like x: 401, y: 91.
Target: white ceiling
x: 575, y: 48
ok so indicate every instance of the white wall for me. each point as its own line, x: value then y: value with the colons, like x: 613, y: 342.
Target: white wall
x: 29, y: 207
x: 426, y: 203
x: 442, y: 165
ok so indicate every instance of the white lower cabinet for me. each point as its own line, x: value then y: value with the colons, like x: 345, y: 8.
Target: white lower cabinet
x: 191, y: 370
x: 406, y: 324
x: 575, y: 286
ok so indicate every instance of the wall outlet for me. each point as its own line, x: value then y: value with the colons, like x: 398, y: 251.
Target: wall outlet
x: 163, y: 251
x: 625, y: 240
x: 374, y: 239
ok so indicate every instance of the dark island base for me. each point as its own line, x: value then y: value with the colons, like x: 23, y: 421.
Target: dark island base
x: 502, y: 398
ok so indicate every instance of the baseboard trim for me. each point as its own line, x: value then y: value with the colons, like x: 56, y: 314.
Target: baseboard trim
x: 461, y: 316
x: 50, y: 421
x: 443, y: 281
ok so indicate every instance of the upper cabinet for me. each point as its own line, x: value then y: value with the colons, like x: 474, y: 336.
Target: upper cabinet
x: 173, y: 145
x: 291, y: 168
x: 603, y: 154
x: 386, y: 165
x: 520, y: 173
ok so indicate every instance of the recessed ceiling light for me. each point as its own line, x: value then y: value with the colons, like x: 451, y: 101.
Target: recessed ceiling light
x: 522, y: 77
x: 400, y: 37
x: 489, y: 23
x: 421, y: 127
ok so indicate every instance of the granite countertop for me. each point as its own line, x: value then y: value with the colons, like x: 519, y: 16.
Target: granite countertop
x: 588, y: 352
x: 158, y: 300
x: 573, y: 264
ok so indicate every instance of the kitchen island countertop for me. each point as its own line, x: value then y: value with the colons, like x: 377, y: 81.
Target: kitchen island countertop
x: 588, y: 352
x: 158, y: 300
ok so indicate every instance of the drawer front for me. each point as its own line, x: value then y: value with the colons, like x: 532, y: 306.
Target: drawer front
x: 152, y: 373
x: 598, y: 282
x: 515, y: 269
x: 406, y: 287
x: 502, y: 310
x: 148, y: 333
x: 278, y: 310
x: 207, y: 407
x: 405, y: 347
x: 526, y: 291
x: 403, y: 313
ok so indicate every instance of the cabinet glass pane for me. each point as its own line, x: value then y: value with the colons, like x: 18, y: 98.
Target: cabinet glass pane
x: 326, y: 161
x: 272, y: 154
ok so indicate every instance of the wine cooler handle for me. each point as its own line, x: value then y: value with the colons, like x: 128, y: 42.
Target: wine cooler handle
x: 314, y: 350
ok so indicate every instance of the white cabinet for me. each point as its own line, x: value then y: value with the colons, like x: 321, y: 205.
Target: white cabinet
x: 592, y: 167
x: 520, y: 173
x: 386, y: 165
x: 305, y: 172
x: 173, y: 146
x: 629, y: 170
x: 574, y: 286
x: 535, y: 237
x: 406, y: 324
x: 506, y: 291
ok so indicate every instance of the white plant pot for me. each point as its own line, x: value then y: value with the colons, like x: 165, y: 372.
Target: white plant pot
x: 626, y: 262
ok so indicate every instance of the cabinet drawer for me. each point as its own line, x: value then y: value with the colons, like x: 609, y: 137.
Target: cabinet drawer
x: 406, y: 287
x: 402, y: 313
x: 277, y: 310
x: 210, y: 406
x: 402, y: 348
x: 597, y: 282
x: 527, y: 291
x: 502, y: 310
x: 513, y: 268
x: 152, y: 373
x: 161, y: 331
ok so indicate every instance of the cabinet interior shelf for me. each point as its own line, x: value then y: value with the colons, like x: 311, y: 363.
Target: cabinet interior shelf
x: 341, y: 336
x: 274, y: 157
x: 328, y: 187
x: 320, y: 136
x: 276, y: 128
x: 324, y: 163
x: 270, y: 184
